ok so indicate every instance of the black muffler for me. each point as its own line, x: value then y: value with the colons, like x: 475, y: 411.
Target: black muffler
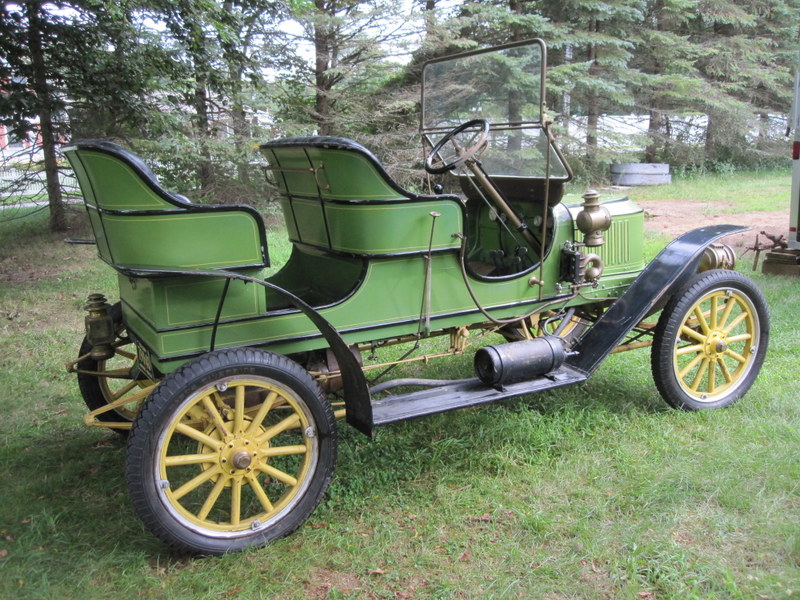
x: 519, y: 361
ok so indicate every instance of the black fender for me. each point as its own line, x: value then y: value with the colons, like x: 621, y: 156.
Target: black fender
x: 659, y: 280
x: 356, y: 390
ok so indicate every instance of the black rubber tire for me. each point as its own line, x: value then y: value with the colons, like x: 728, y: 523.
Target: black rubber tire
x: 716, y: 353
x: 94, y: 393
x: 178, y: 400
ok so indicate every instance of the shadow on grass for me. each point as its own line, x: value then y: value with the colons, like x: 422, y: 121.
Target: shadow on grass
x: 534, y: 429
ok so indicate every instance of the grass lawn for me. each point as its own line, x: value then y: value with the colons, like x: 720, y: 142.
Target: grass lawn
x: 591, y: 492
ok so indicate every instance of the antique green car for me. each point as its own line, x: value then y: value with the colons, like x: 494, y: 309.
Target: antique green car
x: 231, y: 382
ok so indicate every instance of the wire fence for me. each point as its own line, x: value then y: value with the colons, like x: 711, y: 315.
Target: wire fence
x: 23, y: 181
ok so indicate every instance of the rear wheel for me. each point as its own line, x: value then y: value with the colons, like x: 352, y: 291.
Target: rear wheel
x: 710, y: 341
x: 232, y: 450
x: 105, y: 381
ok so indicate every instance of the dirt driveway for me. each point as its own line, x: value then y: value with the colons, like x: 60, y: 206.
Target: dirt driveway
x: 672, y: 218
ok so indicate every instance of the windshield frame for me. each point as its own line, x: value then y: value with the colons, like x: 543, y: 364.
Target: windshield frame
x: 430, y: 133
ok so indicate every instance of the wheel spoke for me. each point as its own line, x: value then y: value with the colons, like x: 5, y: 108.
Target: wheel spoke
x: 698, y: 378
x: 742, y: 337
x: 714, y: 312
x: 689, y: 349
x: 736, y: 356
x: 696, y: 335
x: 289, y: 422
x: 701, y: 319
x: 195, y: 415
x: 688, y: 368
x: 724, y: 368
x: 258, y: 490
x: 283, y: 451
x: 712, y: 376
x: 196, y: 482
x: 216, y: 417
x: 124, y: 353
x: 726, y: 313
x: 122, y: 391
x: 212, y: 498
x: 197, y: 435
x: 236, y: 500
x: 277, y: 474
x: 739, y: 318
x: 238, y: 410
x: 262, y: 413
x: 189, y: 459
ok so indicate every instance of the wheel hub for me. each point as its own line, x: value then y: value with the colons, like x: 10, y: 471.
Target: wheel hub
x: 716, y: 344
x: 241, y: 460
x: 239, y: 455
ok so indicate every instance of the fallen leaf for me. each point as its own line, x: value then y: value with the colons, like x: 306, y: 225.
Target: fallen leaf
x: 377, y: 572
x: 484, y: 518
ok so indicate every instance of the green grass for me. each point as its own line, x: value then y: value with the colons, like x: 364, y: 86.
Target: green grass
x: 592, y: 492
x: 735, y: 192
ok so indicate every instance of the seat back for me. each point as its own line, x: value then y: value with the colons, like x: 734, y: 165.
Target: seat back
x: 139, y: 225
x: 337, y: 197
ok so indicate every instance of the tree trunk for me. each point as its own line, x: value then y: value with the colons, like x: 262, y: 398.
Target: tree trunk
x: 653, y: 129
x: 711, y: 141
x: 430, y: 18
x: 206, y: 168
x: 58, y: 220
x: 241, y: 132
x: 323, y: 62
x: 592, y: 106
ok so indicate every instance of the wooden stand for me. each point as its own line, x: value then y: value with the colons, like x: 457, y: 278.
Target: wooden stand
x: 782, y: 262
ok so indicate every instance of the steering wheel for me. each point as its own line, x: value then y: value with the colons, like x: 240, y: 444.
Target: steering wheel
x: 475, y: 142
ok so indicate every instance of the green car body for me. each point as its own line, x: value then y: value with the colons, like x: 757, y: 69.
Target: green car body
x: 219, y: 366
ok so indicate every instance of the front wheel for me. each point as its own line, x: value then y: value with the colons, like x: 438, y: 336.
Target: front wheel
x: 234, y: 449
x: 710, y: 341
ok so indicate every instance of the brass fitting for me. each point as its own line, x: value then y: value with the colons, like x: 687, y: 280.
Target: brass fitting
x: 717, y: 256
x: 100, y: 331
x: 593, y: 220
x: 593, y: 267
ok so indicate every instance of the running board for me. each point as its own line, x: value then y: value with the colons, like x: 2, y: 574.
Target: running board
x: 463, y: 394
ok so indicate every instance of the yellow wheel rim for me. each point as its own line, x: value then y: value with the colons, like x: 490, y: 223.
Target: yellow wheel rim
x: 238, y: 455
x: 716, y: 344
x: 114, y: 388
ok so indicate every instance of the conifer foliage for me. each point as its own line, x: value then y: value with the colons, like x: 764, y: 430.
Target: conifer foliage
x: 195, y: 85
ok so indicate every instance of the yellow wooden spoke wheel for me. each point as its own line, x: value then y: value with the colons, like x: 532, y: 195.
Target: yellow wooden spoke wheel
x: 710, y: 341
x: 105, y: 381
x: 232, y: 450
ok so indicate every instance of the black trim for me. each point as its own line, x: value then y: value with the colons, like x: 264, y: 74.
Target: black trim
x: 366, y: 255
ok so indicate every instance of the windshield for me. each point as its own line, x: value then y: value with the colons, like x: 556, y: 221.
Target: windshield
x: 505, y: 86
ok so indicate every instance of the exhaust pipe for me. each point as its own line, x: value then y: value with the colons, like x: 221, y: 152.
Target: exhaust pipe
x: 519, y: 361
